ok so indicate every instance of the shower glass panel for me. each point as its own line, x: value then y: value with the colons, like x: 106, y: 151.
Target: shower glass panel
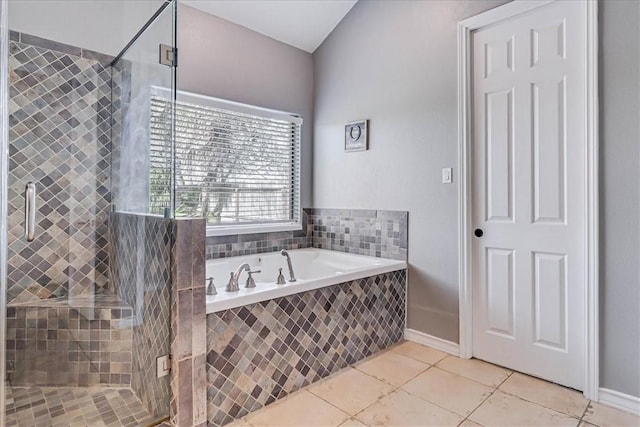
x: 4, y: 144
x: 141, y: 74
x: 87, y: 278
x: 140, y: 242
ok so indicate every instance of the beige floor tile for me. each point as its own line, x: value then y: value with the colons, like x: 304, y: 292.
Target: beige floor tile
x: 392, y: 368
x: 351, y: 390
x: 475, y: 369
x: 469, y: 423
x: 503, y: 409
x: 352, y: 422
x: 403, y: 409
x: 301, y: 409
x: 239, y: 423
x: 420, y: 352
x: 544, y: 393
x: 605, y: 416
x: 586, y: 424
x: 449, y: 391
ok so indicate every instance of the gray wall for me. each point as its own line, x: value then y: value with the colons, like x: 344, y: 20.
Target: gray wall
x: 100, y: 25
x: 228, y: 61
x: 620, y: 196
x: 395, y: 63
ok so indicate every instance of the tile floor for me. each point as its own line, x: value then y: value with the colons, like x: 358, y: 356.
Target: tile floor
x: 74, y: 406
x: 413, y: 385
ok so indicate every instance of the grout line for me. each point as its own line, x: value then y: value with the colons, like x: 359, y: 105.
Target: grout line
x: 394, y: 386
x: 471, y: 379
x: 487, y: 398
x: 540, y: 404
x: 584, y: 412
x: 414, y: 358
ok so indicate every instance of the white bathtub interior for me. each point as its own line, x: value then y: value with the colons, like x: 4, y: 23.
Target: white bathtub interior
x: 313, y: 268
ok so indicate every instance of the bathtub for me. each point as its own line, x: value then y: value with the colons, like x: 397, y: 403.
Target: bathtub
x: 313, y: 268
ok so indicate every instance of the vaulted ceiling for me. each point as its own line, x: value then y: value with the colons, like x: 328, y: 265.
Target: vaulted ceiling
x: 300, y: 23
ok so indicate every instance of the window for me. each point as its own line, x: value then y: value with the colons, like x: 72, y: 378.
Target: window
x: 236, y: 165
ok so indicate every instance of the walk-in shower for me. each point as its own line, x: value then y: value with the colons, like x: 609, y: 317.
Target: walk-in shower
x: 88, y: 300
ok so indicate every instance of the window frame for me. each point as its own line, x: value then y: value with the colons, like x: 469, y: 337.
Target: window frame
x: 212, y: 102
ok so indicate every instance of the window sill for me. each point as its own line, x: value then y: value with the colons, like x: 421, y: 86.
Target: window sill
x: 215, y: 230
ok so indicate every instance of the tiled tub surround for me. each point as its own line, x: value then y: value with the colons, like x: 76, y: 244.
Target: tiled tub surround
x: 262, y: 352
x: 313, y: 268
x: 140, y: 273
x: 364, y: 232
x: 258, y: 243
x: 59, y: 139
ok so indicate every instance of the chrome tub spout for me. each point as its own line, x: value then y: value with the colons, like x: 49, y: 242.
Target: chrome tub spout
x: 292, y: 277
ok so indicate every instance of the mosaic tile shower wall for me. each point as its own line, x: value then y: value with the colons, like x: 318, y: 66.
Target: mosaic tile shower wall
x: 140, y: 258
x: 364, y: 232
x: 60, y: 122
x: 262, y: 352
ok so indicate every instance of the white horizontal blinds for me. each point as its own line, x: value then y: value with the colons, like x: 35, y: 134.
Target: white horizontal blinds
x: 233, y: 166
x: 160, y: 156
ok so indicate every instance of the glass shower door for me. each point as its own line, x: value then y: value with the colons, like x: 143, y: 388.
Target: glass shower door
x: 4, y: 145
x: 87, y: 274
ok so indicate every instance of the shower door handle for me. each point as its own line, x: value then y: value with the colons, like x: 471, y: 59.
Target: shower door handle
x: 30, y: 211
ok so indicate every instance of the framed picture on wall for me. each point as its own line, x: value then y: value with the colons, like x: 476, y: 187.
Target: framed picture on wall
x: 356, y: 136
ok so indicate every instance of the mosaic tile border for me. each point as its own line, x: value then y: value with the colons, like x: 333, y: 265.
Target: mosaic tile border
x: 36, y: 41
x: 262, y: 352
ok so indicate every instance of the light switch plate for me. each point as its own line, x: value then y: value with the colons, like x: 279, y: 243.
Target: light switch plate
x: 163, y: 366
x: 447, y: 175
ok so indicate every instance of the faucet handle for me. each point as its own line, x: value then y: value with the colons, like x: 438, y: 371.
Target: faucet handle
x: 211, y: 288
x: 280, y: 280
x: 232, y: 286
x: 250, y: 282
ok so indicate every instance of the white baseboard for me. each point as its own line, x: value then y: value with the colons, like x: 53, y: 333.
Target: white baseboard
x: 615, y: 399
x: 431, y: 341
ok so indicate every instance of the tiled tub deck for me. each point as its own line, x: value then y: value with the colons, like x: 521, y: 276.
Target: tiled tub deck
x: 259, y: 353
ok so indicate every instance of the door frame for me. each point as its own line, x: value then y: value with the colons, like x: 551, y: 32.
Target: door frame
x: 465, y: 175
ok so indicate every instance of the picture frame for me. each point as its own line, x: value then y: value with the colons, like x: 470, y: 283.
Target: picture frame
x: 356, y: 136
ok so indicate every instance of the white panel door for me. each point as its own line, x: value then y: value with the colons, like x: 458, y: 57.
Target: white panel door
x: 529, y: 280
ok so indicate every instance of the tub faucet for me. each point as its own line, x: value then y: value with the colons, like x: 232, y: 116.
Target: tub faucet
x: 292, y: 276
x: 232, y: 286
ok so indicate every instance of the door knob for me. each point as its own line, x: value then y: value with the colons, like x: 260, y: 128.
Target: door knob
x: 478, y: 232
